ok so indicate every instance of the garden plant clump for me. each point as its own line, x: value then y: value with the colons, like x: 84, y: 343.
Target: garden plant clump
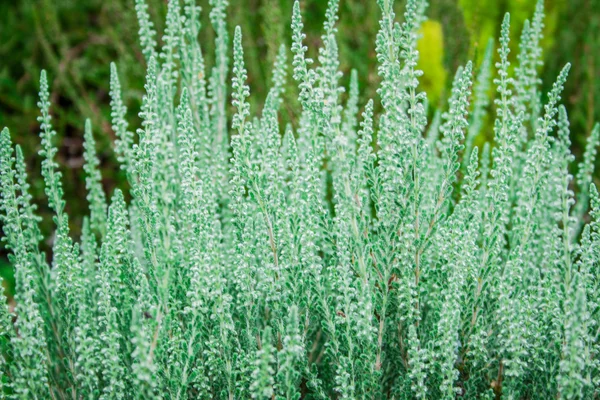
x: 357, y: 251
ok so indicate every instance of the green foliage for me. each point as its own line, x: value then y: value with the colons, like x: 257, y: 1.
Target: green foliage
x: 338, y: 257
x: 75, y: 41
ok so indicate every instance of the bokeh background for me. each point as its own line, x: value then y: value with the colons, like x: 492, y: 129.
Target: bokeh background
x: 76, y: 40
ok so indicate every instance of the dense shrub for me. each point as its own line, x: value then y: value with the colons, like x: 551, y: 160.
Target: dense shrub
x: 332, y: 259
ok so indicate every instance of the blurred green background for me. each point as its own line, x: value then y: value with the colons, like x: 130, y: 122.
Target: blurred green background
x: 76, y: 40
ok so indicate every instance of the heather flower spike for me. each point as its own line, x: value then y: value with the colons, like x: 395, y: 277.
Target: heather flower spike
x: 356, y: 250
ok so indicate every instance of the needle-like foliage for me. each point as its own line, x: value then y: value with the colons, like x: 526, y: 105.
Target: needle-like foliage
x: 348, y: 253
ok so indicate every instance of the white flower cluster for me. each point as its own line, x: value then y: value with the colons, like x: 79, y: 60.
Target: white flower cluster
x: 379, y: 256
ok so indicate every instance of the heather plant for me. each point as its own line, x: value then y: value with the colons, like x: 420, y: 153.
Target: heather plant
x: 343, y: 254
